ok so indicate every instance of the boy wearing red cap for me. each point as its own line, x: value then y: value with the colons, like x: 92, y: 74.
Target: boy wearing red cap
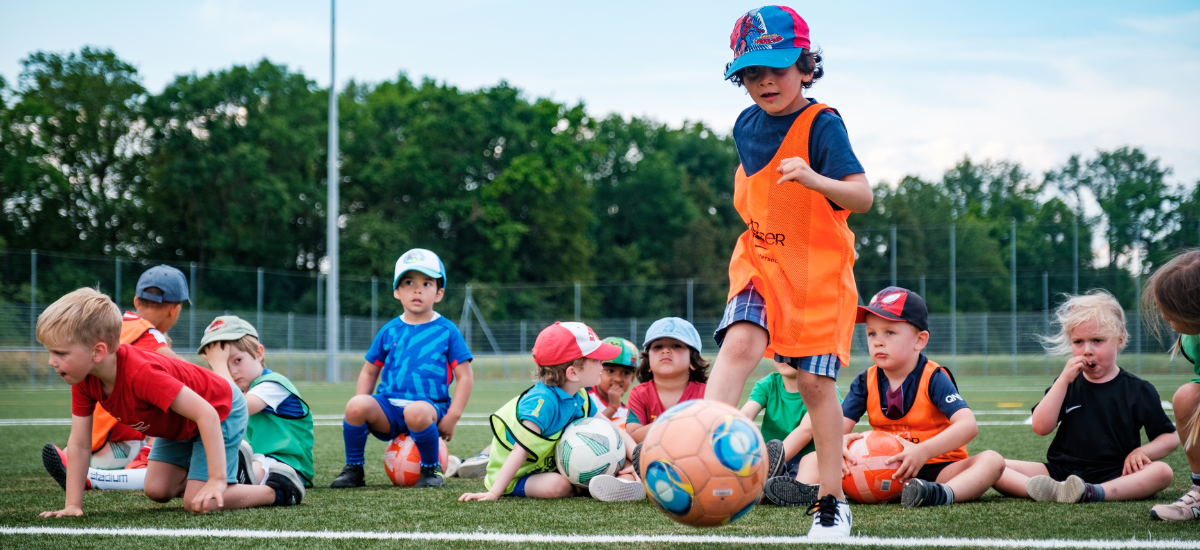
x: 792, y: 293
x: 526, y: 430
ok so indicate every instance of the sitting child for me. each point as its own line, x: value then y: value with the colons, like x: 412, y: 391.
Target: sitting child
x: 526, y: 430
x: 907, y: 395
x: 1097, y: 453
x: 417, y: 355
x: 280, y: 429
x: 615, y: 378
x: 670, y: 371
x: 198, y: 418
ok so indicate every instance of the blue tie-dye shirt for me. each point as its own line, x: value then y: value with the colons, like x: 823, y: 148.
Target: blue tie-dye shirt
x: 418, y: 360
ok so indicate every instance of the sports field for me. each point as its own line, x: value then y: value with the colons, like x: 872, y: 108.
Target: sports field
x: 381, y: 515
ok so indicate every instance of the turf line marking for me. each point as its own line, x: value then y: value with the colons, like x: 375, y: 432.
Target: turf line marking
x: 481, y: 536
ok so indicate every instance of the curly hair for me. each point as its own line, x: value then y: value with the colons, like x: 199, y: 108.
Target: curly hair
x: 808, y: 63
x: 1097, y: 305
x: 698, y: 373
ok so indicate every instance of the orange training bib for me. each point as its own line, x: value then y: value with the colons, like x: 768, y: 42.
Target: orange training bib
x: 920, y: 423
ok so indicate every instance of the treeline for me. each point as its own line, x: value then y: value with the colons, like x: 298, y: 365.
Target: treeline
x: 228, y: 168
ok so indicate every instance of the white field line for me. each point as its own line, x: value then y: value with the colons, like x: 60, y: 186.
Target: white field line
x: 481, y: 536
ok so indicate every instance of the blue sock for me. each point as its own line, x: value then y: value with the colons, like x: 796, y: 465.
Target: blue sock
x: 427, y: 445
x: 356, y: 442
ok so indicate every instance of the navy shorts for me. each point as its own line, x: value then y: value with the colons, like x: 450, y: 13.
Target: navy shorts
x: 519, y: 488
x: 1059, y: 472
x: 393, y: 408
x: 749, y: 305
x: 930, y: 472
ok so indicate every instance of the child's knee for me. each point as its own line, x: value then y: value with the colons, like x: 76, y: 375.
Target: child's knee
x: 359, y: 407
x: 1161, y: 474
x: 560, y: 487
x: 992, y: 459
x: 158, y: 493
x: 744, y: 341
x: 419, y: 415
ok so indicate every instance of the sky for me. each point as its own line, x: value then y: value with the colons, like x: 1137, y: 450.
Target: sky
x: 919, y: 84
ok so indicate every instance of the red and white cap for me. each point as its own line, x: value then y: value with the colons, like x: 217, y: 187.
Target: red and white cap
x: 565, y: 342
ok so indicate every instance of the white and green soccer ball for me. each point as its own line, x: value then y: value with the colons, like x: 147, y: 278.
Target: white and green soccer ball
x: 589, y: 447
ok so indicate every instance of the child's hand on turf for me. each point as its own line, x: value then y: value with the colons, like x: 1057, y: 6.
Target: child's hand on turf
x: 212, y: 489
x: 69, y: 510
x: 447, y: 424
x: 478, y: 496
x: 911, y: 460
x: 1135, y: 462
x: 795, y: 169
x: 1074, y: 366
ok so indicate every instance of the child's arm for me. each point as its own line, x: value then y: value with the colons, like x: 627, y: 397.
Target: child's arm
x: 751, y: 409
x: 961, y: 431
x: 189, y: 404
x: 796, y: 440
x: 465, y: 379
x: 1156, y: 449
x: 1045, y: 414
x: 367, y: 379
x: 507, y: 471
x: 166, y: 351
x: 852, y: 192
x: 637, y: 431
x: 217, y: 357
x: 79, y: 455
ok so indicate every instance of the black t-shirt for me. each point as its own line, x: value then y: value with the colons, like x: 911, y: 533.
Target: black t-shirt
x: 1099, y: 424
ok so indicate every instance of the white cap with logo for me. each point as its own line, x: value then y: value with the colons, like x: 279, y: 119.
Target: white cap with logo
x: 420, y: 259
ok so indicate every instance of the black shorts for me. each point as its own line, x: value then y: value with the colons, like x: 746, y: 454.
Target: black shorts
x: 930, y: 472
x: 1059, y: 472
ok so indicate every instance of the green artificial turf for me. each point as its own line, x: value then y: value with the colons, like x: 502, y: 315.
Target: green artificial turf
x: 25, y: 490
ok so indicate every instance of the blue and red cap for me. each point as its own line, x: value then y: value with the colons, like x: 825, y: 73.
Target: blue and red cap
x: 897, y: 304
x: 770, y: 36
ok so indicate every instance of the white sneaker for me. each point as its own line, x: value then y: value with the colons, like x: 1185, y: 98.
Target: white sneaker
x: 606, y: 488
x: 474, y: 467
x: 1045, y: 489
x: 452, y: 465
x: 245, y: 471
x: 831, y: 519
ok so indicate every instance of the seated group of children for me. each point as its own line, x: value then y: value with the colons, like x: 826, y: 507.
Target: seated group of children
x: 127, y: 385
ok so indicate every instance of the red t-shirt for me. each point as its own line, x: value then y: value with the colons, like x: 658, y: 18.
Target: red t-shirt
x: 645, y: 405
x: 146, y: 385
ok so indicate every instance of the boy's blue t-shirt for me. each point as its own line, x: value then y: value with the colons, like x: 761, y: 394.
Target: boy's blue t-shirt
x: 418, y: 360
x: 941, y: 391
x: 550, y: 408
x: 758, y: 136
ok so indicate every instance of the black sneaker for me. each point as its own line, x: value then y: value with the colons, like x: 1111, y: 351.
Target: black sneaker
x: 774, y: 458
x: 351, y: 476
x: 245, y: 470
x: 637, y: 459
x: 431, y: 476
x: 52, y: 460
x: 289, y: 488
x: 918, y: 492
x: 785, y: 491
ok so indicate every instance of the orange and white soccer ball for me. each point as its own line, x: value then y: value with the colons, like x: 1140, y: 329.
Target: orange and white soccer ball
x: 870, y: 480
x: 403, y: 463
x: 703, y: 463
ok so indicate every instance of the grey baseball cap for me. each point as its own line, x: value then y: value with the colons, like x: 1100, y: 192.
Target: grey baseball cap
x: 226, y: 328
x: 673, y: 327
x: 169, y: 280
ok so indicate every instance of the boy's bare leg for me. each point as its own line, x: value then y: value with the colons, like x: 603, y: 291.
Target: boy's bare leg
x: 971, y: 478
x: 740, y: 353
x: 164, y: 481
x: 1153, y: 478
x: 820, y: 396
x: 365, y: 409
x: 549, y: 485
x: 236, y: 496
x: 808, y: 472
x: 1016, y: 474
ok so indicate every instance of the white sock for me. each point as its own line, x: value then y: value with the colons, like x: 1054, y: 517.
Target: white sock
x: 120, y: 480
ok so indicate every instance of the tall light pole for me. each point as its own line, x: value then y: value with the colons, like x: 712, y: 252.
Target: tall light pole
x: 331, y: 213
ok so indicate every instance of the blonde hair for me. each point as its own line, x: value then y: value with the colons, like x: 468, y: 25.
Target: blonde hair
x: 84, y: 317
x: 556, y: 375
x: 1174, y: 291
x: 1097, y: 305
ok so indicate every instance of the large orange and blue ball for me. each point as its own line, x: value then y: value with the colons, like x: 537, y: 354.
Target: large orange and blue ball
x: 703, y: 463
x: 870, y: 480
x: 402, y: 461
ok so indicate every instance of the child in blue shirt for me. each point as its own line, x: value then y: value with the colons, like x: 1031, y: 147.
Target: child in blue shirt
x: 414, y: 359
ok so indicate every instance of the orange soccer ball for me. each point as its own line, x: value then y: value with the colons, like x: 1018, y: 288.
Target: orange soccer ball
x: 403, y: 462
x: 870, y: 480
x: 703, y: 463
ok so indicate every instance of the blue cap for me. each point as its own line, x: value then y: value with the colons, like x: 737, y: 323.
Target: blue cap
x: 770, y: 36
x: 169, y: 280
x: 419, y: 259
x: 673, y: 327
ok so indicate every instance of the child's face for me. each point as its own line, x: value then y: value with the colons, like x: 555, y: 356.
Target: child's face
x: 589, y: 374
x: 670, y: 357
x: 614, y: 374
x: 74, y: 362
x: 776, y: 91
x: 1090, y: 341
x: 786, y: 370
x: 418, y: 292
x: 894, y: 344
x: 245, y: 367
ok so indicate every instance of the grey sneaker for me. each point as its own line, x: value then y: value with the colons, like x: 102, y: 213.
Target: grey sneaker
x: 785, y: 491
x: 245, y: 471
x: 1045, y: 489
x: 606, y: 488
x: 474, y: 467
x: 774, y: 458
x: 1186, y: 508
x: 431, y: 476
x: 637, y: 456
x: 452, y: 465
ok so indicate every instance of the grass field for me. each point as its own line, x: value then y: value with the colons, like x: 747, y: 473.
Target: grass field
x: 25, y: 490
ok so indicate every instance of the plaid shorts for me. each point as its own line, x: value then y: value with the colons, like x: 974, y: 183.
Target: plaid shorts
x: 749, y: 305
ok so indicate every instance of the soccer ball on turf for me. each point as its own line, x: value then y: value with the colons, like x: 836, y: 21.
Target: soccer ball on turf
x: 116, y: 455
x: 870, y: 480
x: 589, y: 447
x: 402, y: 461
x: 703, y: 463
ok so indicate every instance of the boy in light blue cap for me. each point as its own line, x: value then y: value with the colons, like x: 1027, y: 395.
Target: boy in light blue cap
x: 414, y: 359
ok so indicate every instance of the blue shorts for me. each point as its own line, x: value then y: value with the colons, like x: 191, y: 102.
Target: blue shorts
x: 189, y: 453
x: 749, y: 305
x: 519, y: 489
x: 393, y: 408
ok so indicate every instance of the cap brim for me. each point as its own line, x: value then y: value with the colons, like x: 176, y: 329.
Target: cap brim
x: 429, y: 272
x: 861, y: 316
x: 776, y: 59
x: 605, y: 352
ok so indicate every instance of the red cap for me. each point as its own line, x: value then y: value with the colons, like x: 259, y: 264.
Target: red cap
x: 565, y: 342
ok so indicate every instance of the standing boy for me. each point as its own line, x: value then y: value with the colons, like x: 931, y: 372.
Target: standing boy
x: 414, y: 359
x: 792, y: 295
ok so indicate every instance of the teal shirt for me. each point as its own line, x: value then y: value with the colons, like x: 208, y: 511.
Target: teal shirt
x: 550, y: 408
x: 782, y: 410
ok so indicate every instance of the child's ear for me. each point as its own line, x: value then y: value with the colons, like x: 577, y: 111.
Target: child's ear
x: 99, y: 352
x: 572, y: 374
x: 441, y: 293
x: 921, y: 341
x: 396, y: 293
x: 262, y: 352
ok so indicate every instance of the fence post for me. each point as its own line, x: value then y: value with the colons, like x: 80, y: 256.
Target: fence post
x: 522, y: 350
x: 892, y: 251
x: 953, y: 301
x: 1075, y: 264
x: 1045, y: 319
x: 259, y: 326
x: 923, y: 287
x: 117, y: 294
x: 290, y: 336
x: 33, y: 318
x: 577, y: 305
x: 374, y: 305
x: 320, y: 305
x: 346, y: 332
x: 985, y: 343
x: 689, y: 303
x: 1013, y: 271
